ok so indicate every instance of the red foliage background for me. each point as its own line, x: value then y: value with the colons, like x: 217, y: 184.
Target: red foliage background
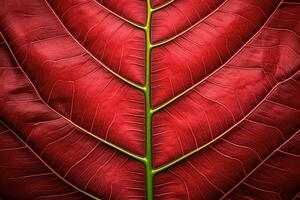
x: 225, y: 95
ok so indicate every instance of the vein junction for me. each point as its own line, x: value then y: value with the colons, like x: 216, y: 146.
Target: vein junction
x: 149, y: 111
x: 148, y: 160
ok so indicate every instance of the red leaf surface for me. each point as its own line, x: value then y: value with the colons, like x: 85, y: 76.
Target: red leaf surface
x: 149, y: 99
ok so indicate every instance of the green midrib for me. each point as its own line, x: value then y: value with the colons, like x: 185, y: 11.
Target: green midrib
x: 148, y: 160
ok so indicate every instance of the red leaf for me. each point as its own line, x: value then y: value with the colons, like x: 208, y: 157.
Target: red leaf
x: 178, y: 99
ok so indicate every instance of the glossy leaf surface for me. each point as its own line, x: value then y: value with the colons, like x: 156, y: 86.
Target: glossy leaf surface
x: 140, y: 99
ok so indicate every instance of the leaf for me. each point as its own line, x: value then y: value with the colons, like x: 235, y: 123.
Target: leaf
x: 178, y: 99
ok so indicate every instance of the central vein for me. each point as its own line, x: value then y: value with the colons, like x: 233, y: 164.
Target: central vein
x: 148, y: 160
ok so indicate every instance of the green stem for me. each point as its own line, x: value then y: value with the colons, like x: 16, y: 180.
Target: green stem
x: 148, y: 161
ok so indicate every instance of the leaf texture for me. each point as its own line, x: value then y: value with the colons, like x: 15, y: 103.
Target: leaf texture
x: 149, y: 99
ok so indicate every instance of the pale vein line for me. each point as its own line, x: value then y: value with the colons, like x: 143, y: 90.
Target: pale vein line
x: 57, y: 195
x: 68, y: 120
x: 288, y: 153
x: 162, y: 6
x: 50, y: 168
x: 297, y: 132
x: 31, y: 176
x: 119, y: 16
x: 164, y: 167
x: 189, y: 28
x: 296, y: 196
x: 96, y: 59
x: 218, y: 69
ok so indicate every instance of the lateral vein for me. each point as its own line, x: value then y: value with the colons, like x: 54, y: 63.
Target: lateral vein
x: 132, y: 155
x: 224, y: 133
x: 48, y: 166
x: 135, y: 85
x: 161, y: 106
